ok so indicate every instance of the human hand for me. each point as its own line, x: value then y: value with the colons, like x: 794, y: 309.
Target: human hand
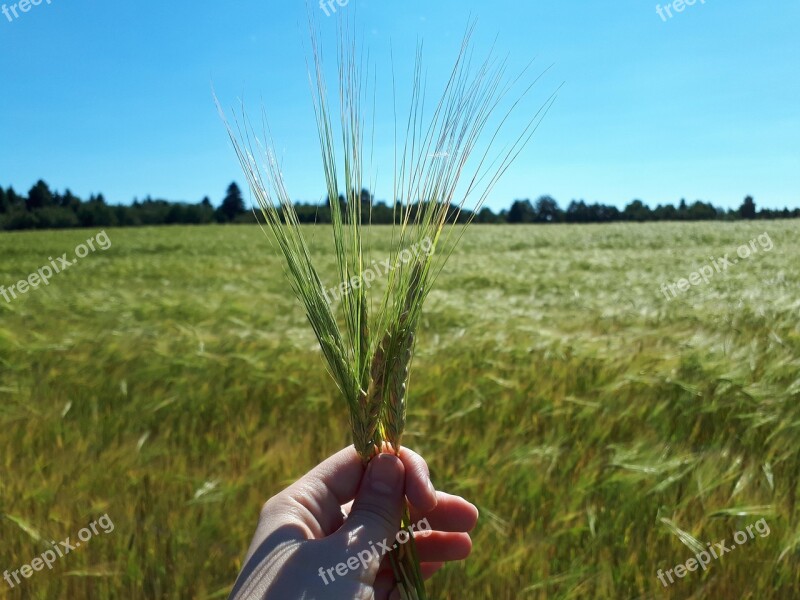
x: 325, y: 537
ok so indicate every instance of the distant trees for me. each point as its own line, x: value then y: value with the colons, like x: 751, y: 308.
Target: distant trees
x: 577, y: 212
x: 381, y: 213
x: 69, y: 201
x: 748, y: 208
x: 547, y: 211
x: 44, y: 208
x: 371, y: 211
x: 521, y: 211
x: 703, y: 211
x: 637, y: 211
x: 580, y: 212
x: 9, y: 200
x: 39, y: 196
x: 232, y: 205
x: 96, y: 213
x: 47, y: 209
x: 486, y: 216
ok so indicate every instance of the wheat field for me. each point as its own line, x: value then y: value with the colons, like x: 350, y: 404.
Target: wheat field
x: 602, y: 426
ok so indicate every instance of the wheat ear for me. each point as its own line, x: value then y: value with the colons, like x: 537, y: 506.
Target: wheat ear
x: 401, y: 338
x: 365, y: 425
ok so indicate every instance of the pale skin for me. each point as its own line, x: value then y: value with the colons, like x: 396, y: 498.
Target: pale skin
x: 340, y: 509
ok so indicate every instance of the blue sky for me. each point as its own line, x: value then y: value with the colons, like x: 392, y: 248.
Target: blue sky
x: 115, y: 97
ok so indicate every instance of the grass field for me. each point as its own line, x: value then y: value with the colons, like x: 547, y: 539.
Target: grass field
x: 173, y: 383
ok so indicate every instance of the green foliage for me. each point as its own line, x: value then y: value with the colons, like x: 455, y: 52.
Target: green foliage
x: 39, y: 196
x: 748, y: 208
x: 19, y: 219
x: 637, y: 211
x: 521, y: 211
x: 97, y: 214
x: 56, y: 217
x: 232, y: 210
x: 232, y: 205
x: 547, y: 211
x: 14, y: 199
x: 44, y: 209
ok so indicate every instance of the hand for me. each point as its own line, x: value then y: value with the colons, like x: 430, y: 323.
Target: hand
x: 313, y: 543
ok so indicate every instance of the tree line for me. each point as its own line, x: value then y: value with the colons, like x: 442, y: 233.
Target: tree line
x: 43, y: 208
x: 46, y: 209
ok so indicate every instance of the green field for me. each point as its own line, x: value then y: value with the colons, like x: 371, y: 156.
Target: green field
x: 173, y: 383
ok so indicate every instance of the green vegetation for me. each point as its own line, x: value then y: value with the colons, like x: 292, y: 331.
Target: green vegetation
x: 46, y: 209
x: 173, y: 383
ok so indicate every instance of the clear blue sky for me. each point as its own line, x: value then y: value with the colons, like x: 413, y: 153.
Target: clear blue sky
x: 115, y: 97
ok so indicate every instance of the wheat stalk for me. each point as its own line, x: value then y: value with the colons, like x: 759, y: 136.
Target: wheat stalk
x: 370, y: 357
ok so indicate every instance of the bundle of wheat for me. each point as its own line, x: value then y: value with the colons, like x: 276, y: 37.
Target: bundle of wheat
x: 370, y: 357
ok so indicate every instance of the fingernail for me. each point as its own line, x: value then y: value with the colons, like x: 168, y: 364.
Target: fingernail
x: 384, y: 475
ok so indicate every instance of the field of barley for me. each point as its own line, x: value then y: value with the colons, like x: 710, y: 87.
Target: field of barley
x: 603, y: 430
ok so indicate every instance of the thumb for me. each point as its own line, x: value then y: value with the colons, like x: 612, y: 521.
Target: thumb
x: 370, y: 529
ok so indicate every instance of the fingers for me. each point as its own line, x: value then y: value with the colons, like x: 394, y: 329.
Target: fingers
x: 443, y: 547
x: 334, y: 483
x: 436, y: 548
x: 384, y: 586
x: 452, y: 513
x: 376, y: 511
x: 310, y: 507
x: 320, y: 493
x: 419, y: 489
x: 340, y: 475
